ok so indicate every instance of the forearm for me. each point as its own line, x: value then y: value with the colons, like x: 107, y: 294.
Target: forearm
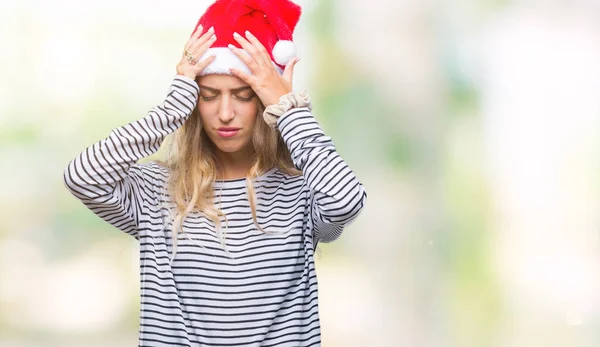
x: 338, y: 194
x: 94, y: 172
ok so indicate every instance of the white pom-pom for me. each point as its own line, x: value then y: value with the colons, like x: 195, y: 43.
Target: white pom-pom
x: 284, y: 51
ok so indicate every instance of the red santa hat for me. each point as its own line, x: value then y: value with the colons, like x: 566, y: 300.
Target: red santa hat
x: 271, y: 21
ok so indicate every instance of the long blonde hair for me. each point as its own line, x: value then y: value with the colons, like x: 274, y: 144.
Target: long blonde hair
x: 191, y: 158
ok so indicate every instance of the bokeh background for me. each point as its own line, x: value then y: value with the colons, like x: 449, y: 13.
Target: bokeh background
x: 474, y: 125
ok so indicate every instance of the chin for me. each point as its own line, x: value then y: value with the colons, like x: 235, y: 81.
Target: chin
x: 230, y: 146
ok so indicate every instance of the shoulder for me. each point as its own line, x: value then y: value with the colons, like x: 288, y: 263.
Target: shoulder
x: 151, y: 172
x: 280, y: 179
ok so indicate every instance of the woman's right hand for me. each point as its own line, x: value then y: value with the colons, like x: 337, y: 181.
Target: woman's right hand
x: 196, y: 47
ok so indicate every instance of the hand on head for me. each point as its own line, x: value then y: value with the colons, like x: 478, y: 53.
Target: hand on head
x: 197, y: 45
x: 265, y: 80
x: 268, y: 84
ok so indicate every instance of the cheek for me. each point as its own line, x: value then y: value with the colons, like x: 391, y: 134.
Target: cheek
x: 205, y: 110
x: 248, y: 113
x: 209, y: 115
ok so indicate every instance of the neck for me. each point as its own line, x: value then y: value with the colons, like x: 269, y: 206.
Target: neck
x: 234, y: 165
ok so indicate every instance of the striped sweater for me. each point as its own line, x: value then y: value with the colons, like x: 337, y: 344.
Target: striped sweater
x: 265, y: 294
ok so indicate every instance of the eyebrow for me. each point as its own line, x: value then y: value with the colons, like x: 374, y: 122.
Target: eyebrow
x: 234, y: 90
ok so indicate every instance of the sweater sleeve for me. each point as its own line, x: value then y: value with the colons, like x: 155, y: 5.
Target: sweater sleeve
x: 105, y: 177
x: 337, y: 196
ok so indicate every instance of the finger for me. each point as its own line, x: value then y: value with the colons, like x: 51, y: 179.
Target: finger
x: 243, y: 76
x: 262, y: 51
x: 202, y: 39
x: 202, y: 64
x: 243, y: 55
x: 288, y: 71
x: 199, y: 51
x: 248, y: 47
x: 193, y: 37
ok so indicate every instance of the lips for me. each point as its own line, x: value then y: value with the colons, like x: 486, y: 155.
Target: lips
x: 226, y: 132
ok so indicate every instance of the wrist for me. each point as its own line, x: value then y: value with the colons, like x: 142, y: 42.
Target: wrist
x: 275, y: 95
x: 285, y: 103
x: 190, y: 76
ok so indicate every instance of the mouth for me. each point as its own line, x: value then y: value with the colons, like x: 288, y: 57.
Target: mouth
x: 226, y: 132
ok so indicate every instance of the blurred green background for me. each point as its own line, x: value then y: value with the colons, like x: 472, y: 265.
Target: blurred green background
x: 474, y: 125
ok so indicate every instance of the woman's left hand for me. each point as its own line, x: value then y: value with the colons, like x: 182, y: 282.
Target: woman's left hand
x: 265, y: 80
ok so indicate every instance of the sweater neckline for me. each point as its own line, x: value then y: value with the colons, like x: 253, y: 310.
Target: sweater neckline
x: 240, y: 182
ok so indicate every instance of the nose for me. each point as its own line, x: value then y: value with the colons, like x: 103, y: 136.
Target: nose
x: 226, y: 113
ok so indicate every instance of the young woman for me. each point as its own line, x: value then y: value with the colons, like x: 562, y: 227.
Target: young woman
x: 228, y: 224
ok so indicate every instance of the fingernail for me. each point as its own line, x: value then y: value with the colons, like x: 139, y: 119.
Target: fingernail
x: 231, y: 46
x: 248, y: 33
x: 213, y: 37
x: 212, y: 29
x: 297, y: 60
x: 236, y: 34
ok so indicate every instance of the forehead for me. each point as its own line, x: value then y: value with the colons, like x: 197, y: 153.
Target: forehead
x: 222, y: 82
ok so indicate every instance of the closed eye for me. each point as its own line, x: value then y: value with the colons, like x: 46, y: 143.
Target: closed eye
x: 208, y: 98
x: 245, y: 99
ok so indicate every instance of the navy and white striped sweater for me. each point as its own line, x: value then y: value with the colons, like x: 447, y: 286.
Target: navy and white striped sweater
x: 266, y: 293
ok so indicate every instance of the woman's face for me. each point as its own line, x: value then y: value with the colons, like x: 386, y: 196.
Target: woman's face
x: 228, y: 109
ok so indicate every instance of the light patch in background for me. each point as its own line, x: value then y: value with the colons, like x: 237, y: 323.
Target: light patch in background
x: 66, y: 73
x: 388, y: 41
x: 83, y: 295
x: 540, y: 104
x: 17, y: 258
x: 352, y: 310
x: 86, y: 295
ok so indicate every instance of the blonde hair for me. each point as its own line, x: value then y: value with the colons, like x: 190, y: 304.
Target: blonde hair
x: 191, y: 158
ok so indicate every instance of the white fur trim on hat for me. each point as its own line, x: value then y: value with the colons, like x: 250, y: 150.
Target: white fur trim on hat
x: 284, y: 51
x: 224, y: 60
